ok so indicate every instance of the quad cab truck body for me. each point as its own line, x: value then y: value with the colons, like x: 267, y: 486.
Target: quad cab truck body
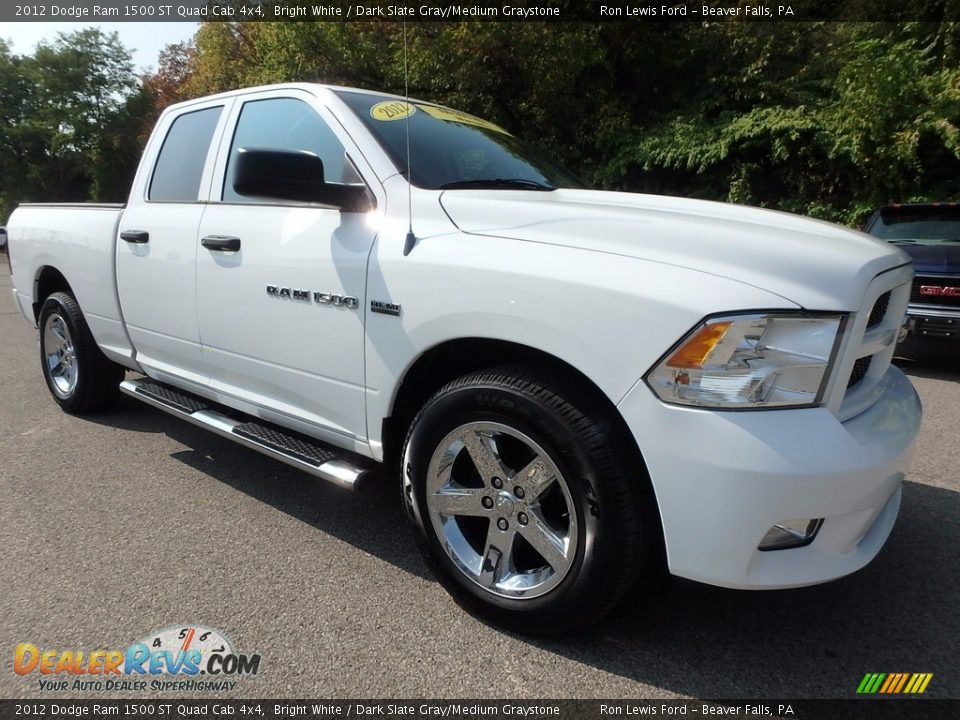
x: 568, y: 385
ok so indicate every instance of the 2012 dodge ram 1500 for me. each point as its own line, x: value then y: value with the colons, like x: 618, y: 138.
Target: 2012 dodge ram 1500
x: 564, y: 381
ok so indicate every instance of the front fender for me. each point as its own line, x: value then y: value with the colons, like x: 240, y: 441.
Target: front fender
x: 609, y: 316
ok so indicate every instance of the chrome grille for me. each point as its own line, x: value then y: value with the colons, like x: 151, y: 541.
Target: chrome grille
x: 934, y: 286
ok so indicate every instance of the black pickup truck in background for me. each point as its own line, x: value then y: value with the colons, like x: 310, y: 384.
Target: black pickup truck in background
x: 930, y: 233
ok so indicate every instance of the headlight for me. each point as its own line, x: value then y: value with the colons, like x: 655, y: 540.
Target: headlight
x: 750, y: 361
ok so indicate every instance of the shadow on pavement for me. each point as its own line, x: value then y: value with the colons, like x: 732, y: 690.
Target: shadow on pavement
x: 932, y: 364
x: 900, y: 614
x: 372, y: 521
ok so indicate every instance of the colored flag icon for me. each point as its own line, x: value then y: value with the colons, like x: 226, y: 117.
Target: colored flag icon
x: 894, y: 683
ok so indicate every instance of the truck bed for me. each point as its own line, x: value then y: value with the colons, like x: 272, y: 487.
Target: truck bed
x: 79, y: 240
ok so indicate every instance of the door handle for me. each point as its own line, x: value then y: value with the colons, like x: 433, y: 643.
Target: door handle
x: 221, y: 242
x: 137, y: 237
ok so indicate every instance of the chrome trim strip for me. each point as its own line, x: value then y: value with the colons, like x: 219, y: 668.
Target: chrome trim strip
x: 914, y: 310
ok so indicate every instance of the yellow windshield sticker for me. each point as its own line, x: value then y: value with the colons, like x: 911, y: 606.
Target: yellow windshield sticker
x: 392, y: 110
x: 442, y: 113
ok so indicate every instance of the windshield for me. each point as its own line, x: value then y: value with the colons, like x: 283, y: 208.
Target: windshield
x: 930, y: 228
x: 450, y: 149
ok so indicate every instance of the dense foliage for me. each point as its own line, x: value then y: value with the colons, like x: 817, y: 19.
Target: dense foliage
x: 68, y: 111
x: 828, y: 119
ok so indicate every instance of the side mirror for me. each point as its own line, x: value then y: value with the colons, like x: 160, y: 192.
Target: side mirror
x: 293, y: 175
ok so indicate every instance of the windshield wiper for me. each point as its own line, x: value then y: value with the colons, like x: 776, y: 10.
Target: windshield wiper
x: 497, y: 183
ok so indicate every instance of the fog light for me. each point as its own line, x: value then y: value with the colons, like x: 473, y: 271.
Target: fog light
x: 790, y: 534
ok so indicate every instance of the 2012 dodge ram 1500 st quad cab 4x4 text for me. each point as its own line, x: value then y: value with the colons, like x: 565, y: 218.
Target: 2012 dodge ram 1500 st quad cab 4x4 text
x: 564, y: 381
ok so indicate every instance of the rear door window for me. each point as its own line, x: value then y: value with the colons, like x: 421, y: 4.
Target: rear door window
x: 179, y: 168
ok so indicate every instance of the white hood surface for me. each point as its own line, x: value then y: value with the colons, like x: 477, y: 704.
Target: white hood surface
x: 815, y: 264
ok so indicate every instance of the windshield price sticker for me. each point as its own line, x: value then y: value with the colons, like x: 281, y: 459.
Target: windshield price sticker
x: 442, y: 113
x: 392, y: 110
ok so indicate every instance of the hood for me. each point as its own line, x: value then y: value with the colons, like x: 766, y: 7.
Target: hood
x: 935, y: 259
x: 817, y: 265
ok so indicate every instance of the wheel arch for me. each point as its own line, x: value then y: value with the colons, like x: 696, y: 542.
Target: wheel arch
x: 451, y: 359
x: 47, y: 281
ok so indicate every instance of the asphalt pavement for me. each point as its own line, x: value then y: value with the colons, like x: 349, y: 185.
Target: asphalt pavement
x: 116, y: 525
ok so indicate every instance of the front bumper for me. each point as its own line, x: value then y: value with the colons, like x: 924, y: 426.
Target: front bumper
x: 931, y: 323
x: 722, y: 479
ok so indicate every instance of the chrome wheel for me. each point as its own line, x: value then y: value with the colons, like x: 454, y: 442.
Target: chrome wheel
x: 501, y: 510
x: 59, y: 356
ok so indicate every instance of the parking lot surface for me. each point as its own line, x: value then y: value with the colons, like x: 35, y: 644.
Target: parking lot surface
x: 120, y: 524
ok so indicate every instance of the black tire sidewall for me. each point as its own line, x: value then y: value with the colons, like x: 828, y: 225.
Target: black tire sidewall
x: 596, y: 548
x: 66, y: 307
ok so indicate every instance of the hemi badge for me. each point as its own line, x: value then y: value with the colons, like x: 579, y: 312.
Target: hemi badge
x: 384, y: 308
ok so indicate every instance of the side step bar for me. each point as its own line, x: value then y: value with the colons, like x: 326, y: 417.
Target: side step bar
x: 311, y: 456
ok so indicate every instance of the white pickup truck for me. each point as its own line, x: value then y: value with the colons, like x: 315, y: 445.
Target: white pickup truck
x: 569, y: 385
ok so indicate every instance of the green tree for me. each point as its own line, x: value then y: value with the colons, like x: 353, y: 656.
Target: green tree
x: 168, y: 85
x: 828, y: 119
x: 15, y: 91
x: 70, y: 111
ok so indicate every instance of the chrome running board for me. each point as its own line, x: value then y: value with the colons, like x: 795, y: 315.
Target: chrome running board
x: 312, y: 456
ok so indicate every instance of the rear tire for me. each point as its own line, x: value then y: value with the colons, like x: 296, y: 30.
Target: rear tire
x: 525, y: 501
x: 79, y: 376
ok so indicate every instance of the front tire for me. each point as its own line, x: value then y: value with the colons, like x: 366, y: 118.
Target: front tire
x: 524, y: 499
x: 79, y: 376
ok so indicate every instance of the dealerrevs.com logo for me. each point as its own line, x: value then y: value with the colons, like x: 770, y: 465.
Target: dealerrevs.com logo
x: 186, y: 657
